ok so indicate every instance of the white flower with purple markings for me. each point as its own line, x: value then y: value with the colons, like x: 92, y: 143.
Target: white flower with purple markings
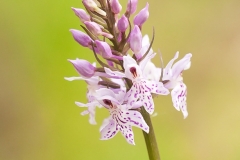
x: 172, y: 75
x: 142, y: 88
x: 92, y: 86
x: 121, y: 117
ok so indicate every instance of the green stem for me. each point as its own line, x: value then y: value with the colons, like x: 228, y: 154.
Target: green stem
x: 150, y: 139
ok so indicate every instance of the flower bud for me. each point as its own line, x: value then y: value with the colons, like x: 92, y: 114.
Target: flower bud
x: 91, y: 5
x: 122, y: 23
x: 132, y: 6
x: 93, y: 27
x: 116, y: 6
x: 83, y: 67
x: 81, y: 14
x: 103, y: 49
x: 110, y: 63
x: 142, y: 16
x: 136, y: 40
x: 81, y: 37
x: 96, y: 29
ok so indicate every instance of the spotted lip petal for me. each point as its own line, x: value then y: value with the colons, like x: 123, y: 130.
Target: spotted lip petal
x: 172, y: 73
x: 140, y: 92
x: 122, y: 120
x: 135, y: 118
x: 108, y: 129
x: 157, y: 87
x: 179, y: 98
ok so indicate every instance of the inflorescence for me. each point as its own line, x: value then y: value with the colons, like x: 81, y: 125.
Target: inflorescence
x: 127, y: 78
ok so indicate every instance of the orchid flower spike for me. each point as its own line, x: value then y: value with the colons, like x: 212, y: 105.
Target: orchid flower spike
x: 126, y: 79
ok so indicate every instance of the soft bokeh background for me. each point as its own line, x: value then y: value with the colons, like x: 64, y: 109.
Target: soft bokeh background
x: 38, y: 117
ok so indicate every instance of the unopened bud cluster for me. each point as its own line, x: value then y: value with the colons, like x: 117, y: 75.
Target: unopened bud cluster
x: 127, y: 78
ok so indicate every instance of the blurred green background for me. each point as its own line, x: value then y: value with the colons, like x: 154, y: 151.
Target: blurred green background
x: 38, y: 117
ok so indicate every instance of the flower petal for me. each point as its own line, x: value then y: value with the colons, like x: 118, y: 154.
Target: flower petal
x: 146, y: 60
x: 157, y: 87
x: 73, y: 78
x: 135, y: 40
x: 151, y: 72
x: 124, y: 125
x: 93, y: 81
x: 179, y: 98
x: 136, y: 105
x: 132, y: 95
x: 127, y: 132
x: 145, y: 45
x: 135, y: 119
x: 120, y: 96
x: 167, y: 72
x: 91, y: 110
x: 128, y: 60
x: 108, y: 94
x: 181, y: 65
x: 133, y: 72
x: 114, y: 73
x: 108, y: 129
x: 148, y: 103
x: 145, y: 40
